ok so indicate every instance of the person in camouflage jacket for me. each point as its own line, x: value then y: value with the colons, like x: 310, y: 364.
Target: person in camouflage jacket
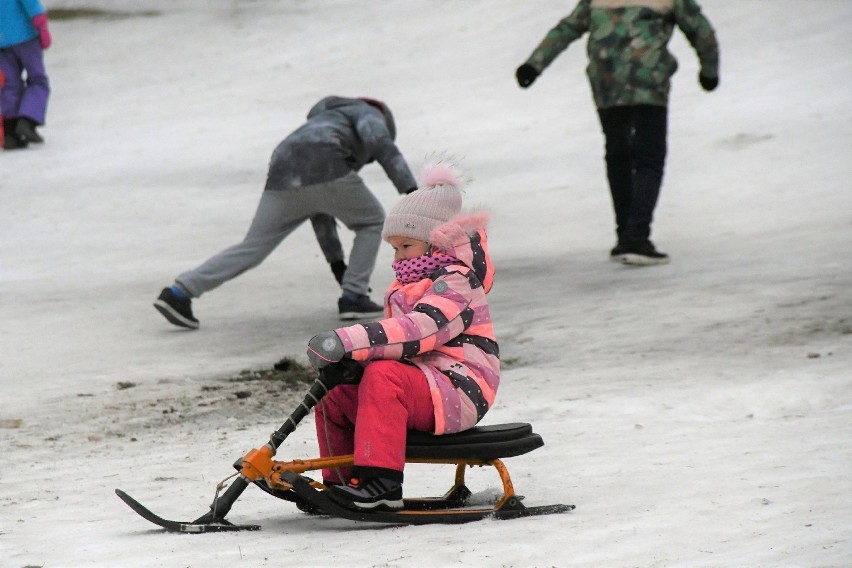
x: 630, y: 70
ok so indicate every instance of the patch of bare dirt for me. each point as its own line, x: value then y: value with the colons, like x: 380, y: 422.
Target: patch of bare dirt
x: 96, y: 14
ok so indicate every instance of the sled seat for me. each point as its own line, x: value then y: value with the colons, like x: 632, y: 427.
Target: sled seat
x: 483, y: 443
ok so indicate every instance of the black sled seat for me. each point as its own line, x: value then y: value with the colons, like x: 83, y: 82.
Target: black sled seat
x: 483, y: 443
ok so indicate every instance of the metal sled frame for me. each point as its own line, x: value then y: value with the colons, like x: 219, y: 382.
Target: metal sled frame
x: 481, y: 446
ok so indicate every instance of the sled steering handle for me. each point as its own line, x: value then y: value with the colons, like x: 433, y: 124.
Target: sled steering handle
x: 221, y: 505
x: 258, y: 462
x: 316, y: 393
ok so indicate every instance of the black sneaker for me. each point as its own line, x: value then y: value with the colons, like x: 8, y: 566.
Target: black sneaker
x: 643, y: 253
x: 368, y: 493
x: 176, y: 308
x: 617, y: 253
x: 358, y: 307
x: 25, y: 130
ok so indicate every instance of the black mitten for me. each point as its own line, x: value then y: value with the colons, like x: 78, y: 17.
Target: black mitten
x: 345, y: 372
x: 526, y: 74
x: 708, y: 83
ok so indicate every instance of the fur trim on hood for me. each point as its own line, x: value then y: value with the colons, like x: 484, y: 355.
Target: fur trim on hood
x: 457, y: 230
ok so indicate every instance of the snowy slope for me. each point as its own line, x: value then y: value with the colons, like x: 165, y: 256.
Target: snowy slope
x: 698, y: 414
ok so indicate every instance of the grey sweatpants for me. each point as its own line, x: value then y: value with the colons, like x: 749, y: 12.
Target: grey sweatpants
x: 281, y: 212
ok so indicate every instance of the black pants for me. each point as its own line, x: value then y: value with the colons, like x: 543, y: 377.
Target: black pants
x: 635, y: 158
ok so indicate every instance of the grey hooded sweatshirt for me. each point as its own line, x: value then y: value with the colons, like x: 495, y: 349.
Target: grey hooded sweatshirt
x: 340, y: 136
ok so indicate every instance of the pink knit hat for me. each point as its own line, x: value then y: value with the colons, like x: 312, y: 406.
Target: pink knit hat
x: 437, y: 200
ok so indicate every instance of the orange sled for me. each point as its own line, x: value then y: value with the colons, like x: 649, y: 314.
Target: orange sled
x: 482, y: 446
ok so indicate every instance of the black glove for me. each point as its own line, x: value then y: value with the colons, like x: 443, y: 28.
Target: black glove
x: 708, y: 83
x: 345, y: 372
x: 526, y: 74
x: 325, y: 348
x: 412, y: 190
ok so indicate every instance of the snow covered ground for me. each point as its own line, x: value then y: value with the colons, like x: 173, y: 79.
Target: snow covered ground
x: 698, y: 414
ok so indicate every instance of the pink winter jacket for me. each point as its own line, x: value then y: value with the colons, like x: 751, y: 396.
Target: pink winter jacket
x: 442, y: 325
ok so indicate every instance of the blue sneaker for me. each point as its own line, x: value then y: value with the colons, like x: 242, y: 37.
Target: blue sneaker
x: 176, y: 307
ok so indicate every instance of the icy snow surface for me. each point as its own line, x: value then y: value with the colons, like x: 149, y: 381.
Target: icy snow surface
x: 698, y: 414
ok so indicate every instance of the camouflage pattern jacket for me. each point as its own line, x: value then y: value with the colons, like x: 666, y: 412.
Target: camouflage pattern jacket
x: 442, y: 325
x: 629, y: 63
x: 340, y: 136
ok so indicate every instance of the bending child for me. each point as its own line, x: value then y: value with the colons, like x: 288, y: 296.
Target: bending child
x: 431, y: 365
x: 313, y: 174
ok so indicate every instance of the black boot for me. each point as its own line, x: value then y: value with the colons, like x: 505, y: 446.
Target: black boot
x: 26, y: 130
x: 12, y: 141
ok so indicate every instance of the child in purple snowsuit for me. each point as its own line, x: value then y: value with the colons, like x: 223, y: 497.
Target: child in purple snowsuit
x: 23, y: 98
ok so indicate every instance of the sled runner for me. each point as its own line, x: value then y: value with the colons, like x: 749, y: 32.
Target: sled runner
x: 483, y: 446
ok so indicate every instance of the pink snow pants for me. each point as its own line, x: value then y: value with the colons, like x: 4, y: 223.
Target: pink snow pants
x: 371, y: 419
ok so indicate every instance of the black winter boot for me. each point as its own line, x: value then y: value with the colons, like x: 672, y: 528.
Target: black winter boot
x: 26, y: 130
x: 12, y: 141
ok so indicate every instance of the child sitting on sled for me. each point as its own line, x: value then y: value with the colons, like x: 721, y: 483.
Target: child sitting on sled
x: 431, y: 365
